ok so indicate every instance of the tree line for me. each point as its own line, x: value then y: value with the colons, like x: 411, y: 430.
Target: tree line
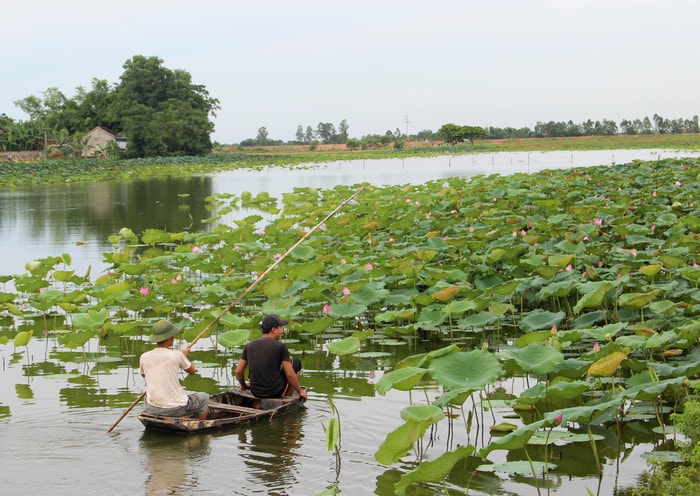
x: 325, y: 133
x: 161, y: 111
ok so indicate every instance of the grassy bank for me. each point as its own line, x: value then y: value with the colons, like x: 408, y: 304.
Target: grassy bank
x: 13, y: 174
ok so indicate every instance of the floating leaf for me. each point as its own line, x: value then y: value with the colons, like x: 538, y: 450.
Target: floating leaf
x: 345, y: 346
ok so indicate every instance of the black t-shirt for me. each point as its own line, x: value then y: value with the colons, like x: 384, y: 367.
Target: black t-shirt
x: 265, y: 357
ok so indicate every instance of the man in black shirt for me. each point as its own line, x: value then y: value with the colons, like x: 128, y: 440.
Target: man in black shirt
x: 273, y: 372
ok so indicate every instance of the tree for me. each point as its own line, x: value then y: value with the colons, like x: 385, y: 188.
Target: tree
x: 452, y: 133
x: 326, y: 132
x: 343, y: 129
x: 300, y: 134
x: 160, y: 110
x: 262, y: 138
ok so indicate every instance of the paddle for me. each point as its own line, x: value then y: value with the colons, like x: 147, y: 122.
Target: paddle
x: 245, y: 292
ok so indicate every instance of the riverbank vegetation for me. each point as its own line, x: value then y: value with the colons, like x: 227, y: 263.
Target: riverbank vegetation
x: 16, y: 173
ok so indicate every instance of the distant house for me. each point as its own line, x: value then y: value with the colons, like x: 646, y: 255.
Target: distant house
x: 97, y: 139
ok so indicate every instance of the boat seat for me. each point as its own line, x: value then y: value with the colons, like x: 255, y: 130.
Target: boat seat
x: 234, y: 408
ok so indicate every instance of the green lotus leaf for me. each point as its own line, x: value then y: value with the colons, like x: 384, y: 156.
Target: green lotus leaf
x: 459, y: 306
x: 568, y: 390
x: 370, y: 293
x: 63, y: 275
x: 275, y: 286
x: 454, y: 397
x: 92, y: 320
x: 435, y: 470
x: 514, y: 440
x: 661, y: 340
x: 506, y: 288
x: 663, y: 307
x: 345, y: 346
x: 403, y: 379
x: 234, y: 338
x: 603, y: 333
x: 332, y: 434
x: 541, y: 319
x: 672, y: 261
x: 593, y: 296
x: 560, y: 260
x: 133, y: 269
x: 76, y: 339
x: 122, y: 327
x: 22, y: 338
x: 478, y: 320
x: 398, y: 442
x: 470, y: 369
x: 305, y: 271
x: 346, y: 310
x: 557, y: 289
x: 430, y: 318
x: 532, y: 337
x: 422, y: 412
x: 636, y: 300
x: 534, y: 358
x: 304, y: 252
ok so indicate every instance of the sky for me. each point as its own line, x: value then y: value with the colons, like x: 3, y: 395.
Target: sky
x: 379, y: 65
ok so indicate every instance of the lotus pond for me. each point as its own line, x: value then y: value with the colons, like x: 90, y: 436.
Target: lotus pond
x: 521, y: 334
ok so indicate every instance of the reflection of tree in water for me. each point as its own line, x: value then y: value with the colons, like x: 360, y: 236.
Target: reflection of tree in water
x: 168, y: 461
x: 269, y: 450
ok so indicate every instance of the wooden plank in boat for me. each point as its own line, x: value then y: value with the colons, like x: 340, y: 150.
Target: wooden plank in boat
x: 235, y: 408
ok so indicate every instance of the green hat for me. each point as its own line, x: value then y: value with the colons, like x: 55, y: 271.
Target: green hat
x: 162, y: 330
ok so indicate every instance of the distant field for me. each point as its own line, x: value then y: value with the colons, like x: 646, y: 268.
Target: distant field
x: 673, y: 141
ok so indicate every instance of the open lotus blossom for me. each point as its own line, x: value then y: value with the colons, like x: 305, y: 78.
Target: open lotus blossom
x: 143, y: 291
x: 598, y: 222
x: 173, y: 281
x: 187, y: 316
x: 326, y: 308
x: 277, y: 256
x: 196, y: 249
x: 346, y: 290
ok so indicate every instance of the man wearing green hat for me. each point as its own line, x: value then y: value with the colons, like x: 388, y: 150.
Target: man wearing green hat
x: 160, y: 368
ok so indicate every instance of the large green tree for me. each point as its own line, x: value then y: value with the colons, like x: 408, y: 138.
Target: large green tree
x: 453, y: 133
x: 161, y: 111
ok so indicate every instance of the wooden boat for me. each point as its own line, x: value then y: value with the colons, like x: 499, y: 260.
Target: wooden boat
x: 228, y: 409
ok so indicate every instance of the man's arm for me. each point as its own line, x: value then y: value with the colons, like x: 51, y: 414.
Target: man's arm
x: 292, y: 378
x: 240, y: 373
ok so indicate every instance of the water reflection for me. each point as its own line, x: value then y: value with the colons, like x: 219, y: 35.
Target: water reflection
x: 168, y: 462
x: 270, y: 452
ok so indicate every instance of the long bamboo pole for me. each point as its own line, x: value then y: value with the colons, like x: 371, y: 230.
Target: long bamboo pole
x: 245, y: 292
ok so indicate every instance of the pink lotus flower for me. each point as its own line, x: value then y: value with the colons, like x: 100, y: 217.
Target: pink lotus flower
x: 196, y: 249
x: 342, y: 261
x: 187, y: 316
x: 654, y: 193
x: 523, y: 232
x: 633, y: 252
x: 453, y: 211
x: 569, y: 267
x: 346, y: 290
x: 369, y: 266
x: 326, y: 308
x: 678, y: 183
x: 143, y: 291
x: 598, y: 222
x: 596, y: 347
x: 554, y: 329
x: 408, y: 200
x: 277, y: 256
x: 558, y: 419
x: 471, y: 228
x: 173, y: 281
x: 179, y: 277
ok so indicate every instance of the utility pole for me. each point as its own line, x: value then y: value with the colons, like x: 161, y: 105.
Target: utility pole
x: 407, y: 123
